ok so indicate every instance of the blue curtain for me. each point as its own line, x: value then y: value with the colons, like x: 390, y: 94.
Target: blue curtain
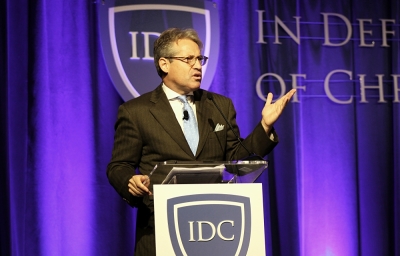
x: 333, y: 185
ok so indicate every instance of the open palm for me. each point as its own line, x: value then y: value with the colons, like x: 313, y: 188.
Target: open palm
x: 272, y: 111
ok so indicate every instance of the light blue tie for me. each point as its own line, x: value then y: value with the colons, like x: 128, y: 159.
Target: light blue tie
x: 190, y: 128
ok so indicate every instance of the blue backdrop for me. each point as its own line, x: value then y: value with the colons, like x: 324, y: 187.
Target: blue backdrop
x: 333, y: 186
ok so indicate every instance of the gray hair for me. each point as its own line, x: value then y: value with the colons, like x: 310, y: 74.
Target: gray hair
x: 163, y: 44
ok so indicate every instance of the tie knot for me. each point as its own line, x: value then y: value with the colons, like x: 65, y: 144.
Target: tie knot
x: 183, y: 98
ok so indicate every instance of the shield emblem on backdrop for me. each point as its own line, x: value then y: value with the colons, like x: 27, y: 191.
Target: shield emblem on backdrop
x: 129, y: 28
x: 195, y: 231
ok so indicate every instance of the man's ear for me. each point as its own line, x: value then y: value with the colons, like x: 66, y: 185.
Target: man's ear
x: 164, y: 65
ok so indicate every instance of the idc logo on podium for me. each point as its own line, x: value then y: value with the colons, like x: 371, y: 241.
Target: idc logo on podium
x: 209, y: 219
x: 209, y: 224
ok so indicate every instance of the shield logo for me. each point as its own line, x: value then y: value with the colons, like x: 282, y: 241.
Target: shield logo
x: 209, y: 224
x: 128, y: 30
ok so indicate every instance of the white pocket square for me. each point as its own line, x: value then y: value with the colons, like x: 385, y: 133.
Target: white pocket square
x: 218, y: 128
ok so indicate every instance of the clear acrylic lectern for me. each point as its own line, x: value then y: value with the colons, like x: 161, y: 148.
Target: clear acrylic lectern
x: 207, y: 172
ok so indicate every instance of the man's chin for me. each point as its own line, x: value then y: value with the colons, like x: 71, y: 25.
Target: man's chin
x: 195, y: 85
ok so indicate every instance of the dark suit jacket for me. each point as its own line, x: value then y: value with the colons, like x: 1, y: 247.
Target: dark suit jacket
x: 147, y: 133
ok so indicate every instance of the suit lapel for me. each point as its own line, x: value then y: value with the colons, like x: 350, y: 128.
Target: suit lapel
x: 164, y: 114
x: 204, y: 109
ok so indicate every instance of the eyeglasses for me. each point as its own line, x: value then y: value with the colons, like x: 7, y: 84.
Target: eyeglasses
x: 191, y: 60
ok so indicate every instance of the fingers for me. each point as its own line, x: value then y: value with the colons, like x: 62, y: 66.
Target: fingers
x: 146, y: 180
x: 271, y: 112
x: 285, y: 98
x: 283, y: 101
x: 269, y: 99
x: 290, y: 94
x: 138, y: 185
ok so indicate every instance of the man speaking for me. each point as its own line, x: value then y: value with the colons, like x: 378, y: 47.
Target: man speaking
x: 178, y: 121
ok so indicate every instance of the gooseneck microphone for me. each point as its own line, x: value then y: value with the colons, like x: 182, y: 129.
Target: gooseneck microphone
x: 185, y: 115
x: 252, y: 156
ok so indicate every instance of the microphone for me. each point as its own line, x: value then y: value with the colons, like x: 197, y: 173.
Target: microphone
x: 185, y: 115
x: 251, y: 156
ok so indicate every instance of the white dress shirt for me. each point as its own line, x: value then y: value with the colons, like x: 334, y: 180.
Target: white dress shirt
x: 177, y: 105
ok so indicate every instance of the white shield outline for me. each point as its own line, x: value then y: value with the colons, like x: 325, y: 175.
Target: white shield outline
x: 201, y: 199
x: 213, y: 202
x: 138, y: 7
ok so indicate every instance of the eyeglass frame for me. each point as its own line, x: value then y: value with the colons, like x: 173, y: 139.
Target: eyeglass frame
x: 200, y: 58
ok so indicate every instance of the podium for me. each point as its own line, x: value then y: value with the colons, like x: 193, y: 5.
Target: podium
x: 210, y: 208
